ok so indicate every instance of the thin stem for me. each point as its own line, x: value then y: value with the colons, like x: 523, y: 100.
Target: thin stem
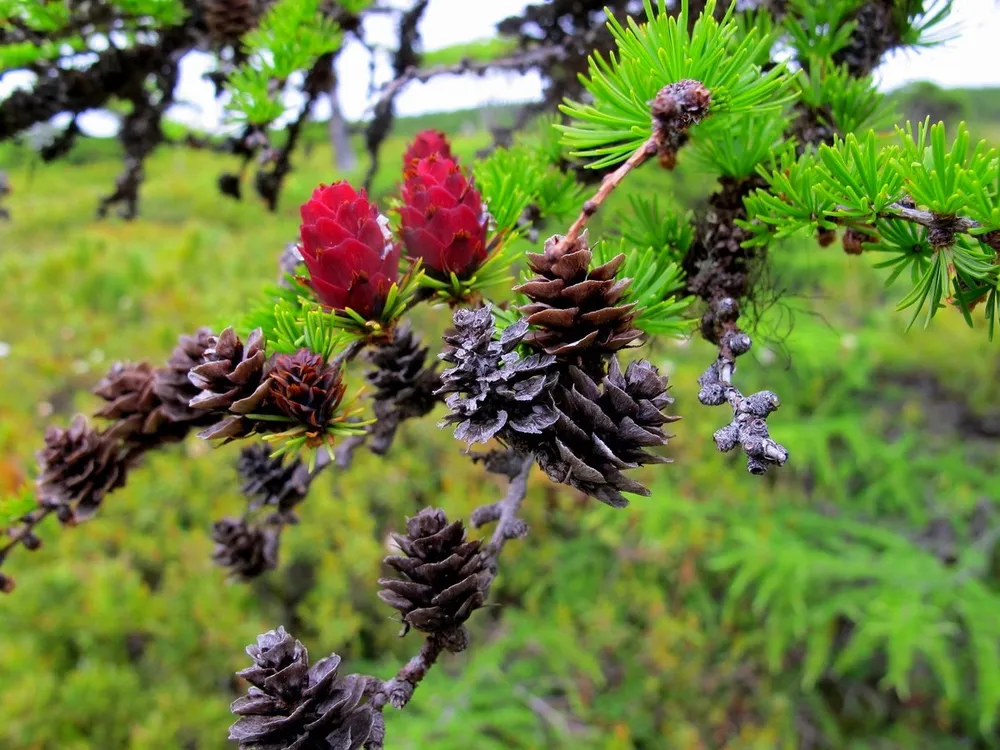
x: 398, y: 690
x: 608, y: 184
x: 351, y: 351
x: 509, y: 526
x: 928, y: 219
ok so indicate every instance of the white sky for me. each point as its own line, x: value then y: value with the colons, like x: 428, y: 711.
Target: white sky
x: 971, y: 59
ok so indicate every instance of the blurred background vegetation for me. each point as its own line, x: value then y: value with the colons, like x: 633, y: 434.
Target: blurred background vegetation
x: 608, y: 629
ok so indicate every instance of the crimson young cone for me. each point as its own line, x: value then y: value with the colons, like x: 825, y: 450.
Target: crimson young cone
x: 348, y: 249
x: 443, y: 221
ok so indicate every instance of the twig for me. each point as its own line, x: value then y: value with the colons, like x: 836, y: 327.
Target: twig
x: 928, y: 219
x: 509, y: 526
x: 520, y: 62
x: 351, y: 351
x: 748, y: 428
x: 24, y: 530
x: 608, y: 184
x: 398, y: 690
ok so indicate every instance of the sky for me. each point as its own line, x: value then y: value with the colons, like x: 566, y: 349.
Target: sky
x: 972, y: 58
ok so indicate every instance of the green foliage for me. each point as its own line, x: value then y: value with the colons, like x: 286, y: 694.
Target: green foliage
x: 15, y: 506
x: 512, y: 179
x: 289, y: 38
x: 860, y: 183
x: 922, y: 22
x: 669, y: 231
x: 59, y: 39
x: 23, y: 54
x: 478, y: 50
x: 818, y: 30
x: 36, y: 15
x: 714, y: 148
x: 660, y: 52
x: 308, y: 326
x: 51, y: 17
x: 656, y: 282
x: 809, y: 571
x: 263, y: 313
x: 845, y: 103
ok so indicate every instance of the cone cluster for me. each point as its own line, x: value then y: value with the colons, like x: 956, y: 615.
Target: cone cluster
x: 292, y: 706
x: 443, y: 575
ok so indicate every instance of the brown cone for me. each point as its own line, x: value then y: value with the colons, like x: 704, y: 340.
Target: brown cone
x: 246, y: 550
x: 77, y: 468
x: 293, y: 706
x: 231, y: 383
x: 444, y: 575
x: 131, y: 403
x: 171, y: 383
x: 577, y: 311
x: 305, y: 388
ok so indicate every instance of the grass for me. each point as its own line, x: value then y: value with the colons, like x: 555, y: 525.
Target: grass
x: 604, y: 629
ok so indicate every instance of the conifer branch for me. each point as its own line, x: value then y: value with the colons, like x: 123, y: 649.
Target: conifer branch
x: 398, y: 690
x: 608, y: 185
x: 674, y: 110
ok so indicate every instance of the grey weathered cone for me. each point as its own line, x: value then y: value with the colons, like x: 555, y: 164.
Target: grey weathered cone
x: 604, y: 430
x: 171, y: 383
x: 444, y: 578
x: 404, y: 386
x: 491, y: 390
x: 272, y: 482
x: 292, y: 706
x: 577, y: 311
x: 77, y: 467
x: 247, y: 550
x: 231, y: 383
